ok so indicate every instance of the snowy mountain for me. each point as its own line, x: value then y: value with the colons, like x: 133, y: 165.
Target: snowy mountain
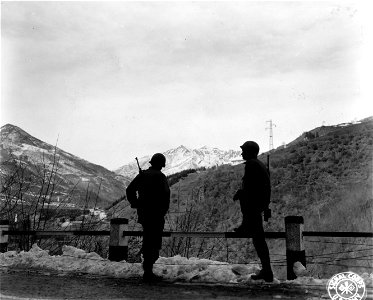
x: 183, y: 158
x: 75, y: 176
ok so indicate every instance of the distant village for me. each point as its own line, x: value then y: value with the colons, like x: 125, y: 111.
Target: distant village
x: 66, y: 221
x: 95, y: 214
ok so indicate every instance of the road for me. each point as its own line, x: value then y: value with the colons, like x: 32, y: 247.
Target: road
x: 40, y: 284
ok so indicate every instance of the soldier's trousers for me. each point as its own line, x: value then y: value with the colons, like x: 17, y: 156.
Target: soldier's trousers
x: 152, y: 241
x: 253, y: 222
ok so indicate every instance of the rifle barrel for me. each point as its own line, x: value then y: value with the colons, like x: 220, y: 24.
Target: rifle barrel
x: 138, y: 164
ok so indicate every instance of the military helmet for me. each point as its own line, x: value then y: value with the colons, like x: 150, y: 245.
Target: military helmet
x: 250, y: 147
x: 158, y: 159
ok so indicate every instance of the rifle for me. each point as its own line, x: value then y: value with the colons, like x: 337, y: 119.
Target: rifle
x: 138, y: 165
x: 267, y: 211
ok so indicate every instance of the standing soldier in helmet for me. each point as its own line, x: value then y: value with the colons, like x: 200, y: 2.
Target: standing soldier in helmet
x: 254, y: 197
x: 150, y: 194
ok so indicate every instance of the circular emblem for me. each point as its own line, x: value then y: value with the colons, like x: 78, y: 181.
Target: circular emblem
x: 346, y: 286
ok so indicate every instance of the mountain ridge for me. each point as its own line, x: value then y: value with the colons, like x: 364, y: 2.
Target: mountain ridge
x: 19, y: 147
x: 16, y: 143
x: 326, y: 179
x: 183, y: 158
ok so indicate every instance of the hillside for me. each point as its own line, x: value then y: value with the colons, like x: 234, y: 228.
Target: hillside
x: 326, y: 179
x: 38, y: 166
x: 313, y: 171
x: 325, y: 175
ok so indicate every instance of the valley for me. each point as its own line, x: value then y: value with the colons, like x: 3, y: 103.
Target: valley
x: 325, y: 176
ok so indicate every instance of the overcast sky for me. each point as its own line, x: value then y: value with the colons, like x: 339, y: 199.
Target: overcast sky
x: 116, y: 80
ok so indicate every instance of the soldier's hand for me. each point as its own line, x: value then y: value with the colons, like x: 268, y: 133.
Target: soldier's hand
x: 237, y: 195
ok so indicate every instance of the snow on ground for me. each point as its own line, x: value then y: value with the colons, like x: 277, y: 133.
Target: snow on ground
x: 173, y: 268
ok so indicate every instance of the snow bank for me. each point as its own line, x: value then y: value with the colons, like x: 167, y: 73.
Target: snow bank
x: 195, y: 269
x: 173, y: 268
x: 72, y: 260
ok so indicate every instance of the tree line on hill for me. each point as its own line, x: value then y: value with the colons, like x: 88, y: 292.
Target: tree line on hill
x: 326, y: 179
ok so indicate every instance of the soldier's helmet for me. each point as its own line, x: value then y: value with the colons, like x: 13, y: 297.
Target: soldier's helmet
x: 250, y: 147
x: 158, y: 159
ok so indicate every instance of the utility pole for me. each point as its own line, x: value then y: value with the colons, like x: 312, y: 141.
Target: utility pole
x: 270, y: 134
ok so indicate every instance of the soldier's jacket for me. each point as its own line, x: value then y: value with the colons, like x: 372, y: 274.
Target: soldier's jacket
x: 153, y: 193
x: 256, y: 187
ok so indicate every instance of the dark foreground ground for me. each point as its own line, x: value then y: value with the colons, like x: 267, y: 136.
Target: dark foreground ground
x: 37, y: 284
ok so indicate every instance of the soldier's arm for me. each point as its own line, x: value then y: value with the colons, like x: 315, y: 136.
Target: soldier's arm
x: 131, y: 191
x: 167, y: 195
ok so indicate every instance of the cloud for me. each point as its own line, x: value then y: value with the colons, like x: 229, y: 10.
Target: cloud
x: 177, y: 67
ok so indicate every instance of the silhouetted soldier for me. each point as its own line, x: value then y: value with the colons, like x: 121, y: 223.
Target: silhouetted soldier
x: 152, y: 204
x: 254, y: 197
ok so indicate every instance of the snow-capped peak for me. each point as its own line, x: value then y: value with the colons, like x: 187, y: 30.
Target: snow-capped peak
x: 183, y: 158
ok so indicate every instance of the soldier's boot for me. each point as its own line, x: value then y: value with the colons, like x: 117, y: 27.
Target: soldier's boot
x: 262, y: 249
x: 264, y: 274
x: 149, y: 276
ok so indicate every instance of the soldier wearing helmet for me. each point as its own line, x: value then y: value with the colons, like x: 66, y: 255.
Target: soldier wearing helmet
x: 150, y: 194
x: 254, y: 197
x: 159, y: 160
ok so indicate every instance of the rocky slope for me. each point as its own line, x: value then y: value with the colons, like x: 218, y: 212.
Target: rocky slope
x: 77, y: 178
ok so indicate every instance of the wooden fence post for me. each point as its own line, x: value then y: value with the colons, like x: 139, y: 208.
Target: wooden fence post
x: 118, y: 244
x: 294, y: 244
x: 4, y: 225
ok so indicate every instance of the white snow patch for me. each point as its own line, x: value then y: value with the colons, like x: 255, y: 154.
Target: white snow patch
x: 299, y: 269
x: 173, y: 268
